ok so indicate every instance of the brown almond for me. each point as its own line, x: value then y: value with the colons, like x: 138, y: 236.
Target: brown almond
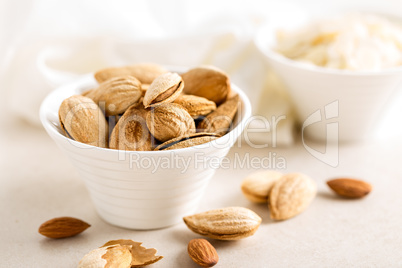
x: 141, y: 256
x: 196, y: 106
x: 117, y: 94
x: 202, y: 252
x: 221, y: 119
x: 230, y: 223
x: 82, y: 120
x: 350, y: 188
x: 208, y: 82
x: 188, y: 140
x: 164, y: 89
x: 62, y: 227
x: 145, y: 72
x: 169, y: 121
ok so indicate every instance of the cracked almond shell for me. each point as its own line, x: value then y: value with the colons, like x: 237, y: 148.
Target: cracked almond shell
x: 107, y: 257
x: 82, y: 120
x: 291, y: 195
x: 165, y: 88
x: 141, y: 256
x: 231, y: 223
x: 145, y: 72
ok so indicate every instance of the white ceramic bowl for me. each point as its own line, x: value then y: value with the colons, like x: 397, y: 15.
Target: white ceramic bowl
x: 141, y: 190
x: 332, y: 105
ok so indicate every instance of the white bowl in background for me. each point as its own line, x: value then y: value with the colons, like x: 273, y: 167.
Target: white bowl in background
x: 130, y: 189
x: 332, y: 105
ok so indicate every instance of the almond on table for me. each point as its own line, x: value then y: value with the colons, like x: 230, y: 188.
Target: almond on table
x: 62, y: 227
x: 202, y: 252
x: 257, y: 186
x: 231, y: 223
x: 291, y: 195
x: 351, y: 188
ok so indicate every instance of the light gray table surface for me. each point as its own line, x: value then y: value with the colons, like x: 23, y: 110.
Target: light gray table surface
x: 38, y: 183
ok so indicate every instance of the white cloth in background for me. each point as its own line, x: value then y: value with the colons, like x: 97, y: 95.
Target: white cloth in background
x: 47, y: 43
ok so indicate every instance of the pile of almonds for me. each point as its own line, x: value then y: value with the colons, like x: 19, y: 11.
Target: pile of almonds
x: 144, y: 107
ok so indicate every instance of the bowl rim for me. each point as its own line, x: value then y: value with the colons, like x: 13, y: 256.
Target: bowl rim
x: 232, y: 135
x: 261, y: 42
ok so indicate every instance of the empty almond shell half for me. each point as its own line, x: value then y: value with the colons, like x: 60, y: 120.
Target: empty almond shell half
x: 185, y: 141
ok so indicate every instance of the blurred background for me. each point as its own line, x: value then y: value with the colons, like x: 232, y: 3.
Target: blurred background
x: 45, y: 43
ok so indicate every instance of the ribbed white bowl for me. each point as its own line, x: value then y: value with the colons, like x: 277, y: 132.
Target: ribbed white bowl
x: 129, y: 189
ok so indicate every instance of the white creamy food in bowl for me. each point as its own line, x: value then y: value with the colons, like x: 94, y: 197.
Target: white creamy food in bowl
x: 340, y: 73
x: 359, y: 42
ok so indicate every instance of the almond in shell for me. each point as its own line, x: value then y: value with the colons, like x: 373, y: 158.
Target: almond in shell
x: 145, y: 72
x: 256, y: 186
x: 208, y: 82
x: 131, y: 132
x: 291, y: 195
x: 230, y: 223
x: 196, y: 106
x: 117, y: 94
x: 169, y: 121
x: 82, y: 120
x: 221, y: 119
